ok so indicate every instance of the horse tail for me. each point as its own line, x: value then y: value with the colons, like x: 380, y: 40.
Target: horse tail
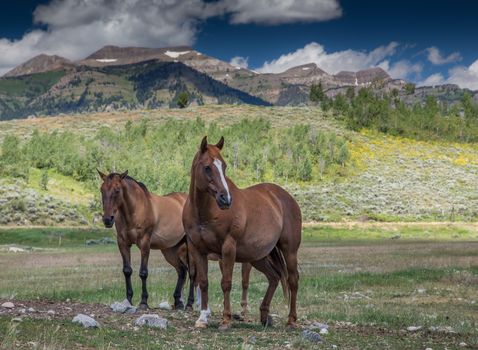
x: 190, y: 267
x: 280, y: 267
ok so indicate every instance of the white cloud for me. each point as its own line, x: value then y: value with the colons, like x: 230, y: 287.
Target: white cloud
x: 432, y: 80
x: 435, y: 57
x: 239, y: 61
x: 403, y: 69
x: 333, y: 62
x: 281, y: 11
x: 464, y: 77
x: 76, y: 28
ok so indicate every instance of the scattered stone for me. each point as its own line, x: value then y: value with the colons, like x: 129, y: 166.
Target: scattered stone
x: 8, y: 305
x: 17, y: 319
x: 30, y: 309
x: 463, y: 344
x: 311, y: 336
x: 324, y: 331
x: 16, y: 250
x: 151, y: 320
x: 51, y: 312
x: 421, y: 290
x: 413, y: 328
x: 428, y: 349
x: 124, y: 307
x: 252, y: 339
x: 318, y: 325
x: 395, y: 237
x: 23, y: 310
x: 165, y: 306
x: 85, y: 321
x: 334, y: 346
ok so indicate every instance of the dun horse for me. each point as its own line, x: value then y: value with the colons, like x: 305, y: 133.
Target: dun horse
x: 149, y: 221
x: 260, y: 224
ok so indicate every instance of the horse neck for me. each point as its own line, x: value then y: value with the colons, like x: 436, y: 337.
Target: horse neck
x: 134, y: 199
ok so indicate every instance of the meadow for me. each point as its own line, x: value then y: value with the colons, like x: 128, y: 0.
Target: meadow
x: 335, y: 173
x: 367, y: 282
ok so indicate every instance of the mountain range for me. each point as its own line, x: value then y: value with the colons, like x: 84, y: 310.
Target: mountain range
x: 133, y: 77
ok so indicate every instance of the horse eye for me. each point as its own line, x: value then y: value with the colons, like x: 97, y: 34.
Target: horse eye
x: 208, y: 170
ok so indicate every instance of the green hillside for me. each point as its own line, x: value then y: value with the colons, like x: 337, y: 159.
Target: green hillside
x: 336, y: 174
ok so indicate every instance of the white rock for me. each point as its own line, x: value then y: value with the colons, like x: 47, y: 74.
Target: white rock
x: 16, y: 250
x: 324, y: 331
x: 30, y: 309
x: 8, y: 305
x: 124, y: 307
x: 151, y: 320
x: 165, y: 306
x: 463, y: 344
x: 17, y: 319
x: 318, y: 325
x: 421, y: 290
x: 86, y: 321
x: 51, y: 312
x: 413, y: 328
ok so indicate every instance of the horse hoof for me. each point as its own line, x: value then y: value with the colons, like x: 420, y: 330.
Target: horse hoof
x: 189, y: 308
x: 224, y: 326
x: 291, y: 325
x: 200, y: 324
x: 179, y: 306
x: 238, y: 317
x: 267, y: 322
x: 143, y: 307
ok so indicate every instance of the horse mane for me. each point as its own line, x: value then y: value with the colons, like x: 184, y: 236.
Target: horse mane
x: 142, y: 185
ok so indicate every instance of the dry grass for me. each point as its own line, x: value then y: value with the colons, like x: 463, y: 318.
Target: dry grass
x: 367, y: 290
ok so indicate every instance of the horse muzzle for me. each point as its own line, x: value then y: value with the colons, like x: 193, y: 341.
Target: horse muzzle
x: 223, y: 201
x: 108, y: 221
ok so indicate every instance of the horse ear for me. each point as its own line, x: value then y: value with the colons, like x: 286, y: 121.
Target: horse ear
x: 220, y: 144
x: 103, y: 176
x: 122, y: 176
x: 203, y: 147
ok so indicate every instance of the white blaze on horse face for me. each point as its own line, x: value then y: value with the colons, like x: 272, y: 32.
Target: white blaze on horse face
x: 218, y: 165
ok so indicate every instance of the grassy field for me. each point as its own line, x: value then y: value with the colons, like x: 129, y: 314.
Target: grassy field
x: 368, y: 282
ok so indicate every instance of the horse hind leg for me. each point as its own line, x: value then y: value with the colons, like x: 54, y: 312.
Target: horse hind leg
x: 246, y: 272
x: 264, y: 266
x: 178, y: 302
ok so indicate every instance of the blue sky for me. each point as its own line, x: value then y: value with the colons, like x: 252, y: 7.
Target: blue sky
x: 428, y: 42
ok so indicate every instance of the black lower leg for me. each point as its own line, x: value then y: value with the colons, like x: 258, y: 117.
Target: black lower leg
x: 143, y: 274
x: 128, y: 271
x: 178, y: 303
x: 191, y: 294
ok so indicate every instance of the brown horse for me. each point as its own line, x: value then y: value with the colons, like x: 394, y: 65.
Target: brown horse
x: 260, y: 224
x: 149, y: 221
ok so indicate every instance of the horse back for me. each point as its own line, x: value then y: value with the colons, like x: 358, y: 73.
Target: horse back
x: 167, y: 210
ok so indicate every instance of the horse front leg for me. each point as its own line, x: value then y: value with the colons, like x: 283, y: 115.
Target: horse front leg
x: 246, y: 272
x: 227, y: 268
x: 125, y: 251
x: 201, y: 269
x: 144, y: 246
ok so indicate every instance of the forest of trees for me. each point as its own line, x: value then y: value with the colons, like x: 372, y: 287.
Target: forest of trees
x: 430, y: 120
x: 161, y: 156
